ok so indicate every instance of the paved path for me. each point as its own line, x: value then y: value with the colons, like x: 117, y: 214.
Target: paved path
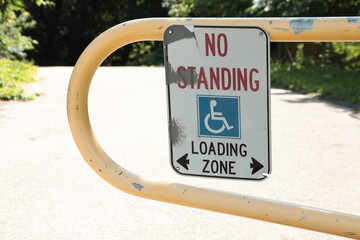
x: 47, y: 191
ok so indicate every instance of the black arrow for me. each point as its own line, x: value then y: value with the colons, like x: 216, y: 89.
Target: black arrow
x: 255, y: 165
x: 183, y: 161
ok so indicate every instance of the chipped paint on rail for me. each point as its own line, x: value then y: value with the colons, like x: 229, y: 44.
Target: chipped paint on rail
x: 301, y: 25
x: 303, y: 217
x: 352, y: 19
x: 282, y: 29
x: 138, y: 186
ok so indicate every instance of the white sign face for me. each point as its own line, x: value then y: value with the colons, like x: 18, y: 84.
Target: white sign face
x: 218, y: 85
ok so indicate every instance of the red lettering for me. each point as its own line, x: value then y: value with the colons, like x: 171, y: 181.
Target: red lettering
x: 224, y: 53
x: 210, y: 44
x: 223, y: 84
x: 234, y: 78
x: 254, y: 89
x: 192, y: 80
x: 220, y: 78
x: 242, y: 79
x: 214, y: 78
x: 202, y: 79
x: 181, y: 84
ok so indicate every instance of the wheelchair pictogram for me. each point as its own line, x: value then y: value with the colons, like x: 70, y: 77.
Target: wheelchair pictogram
x: 218, y: 116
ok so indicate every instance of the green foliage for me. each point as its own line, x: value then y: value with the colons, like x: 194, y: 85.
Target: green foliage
x: 13, y: 21
x: 207, y: 8
x: 44, y: 3
x: 334, y: 83
x: 342, y: 54
x: 65, y: 28
x: 261, y: 8
x: 179, y: 9
x: 306, y: 8
x: 146, y: 54
x: 12, y: 74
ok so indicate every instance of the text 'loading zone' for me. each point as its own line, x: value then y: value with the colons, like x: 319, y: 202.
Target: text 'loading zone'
x: 218, y: 99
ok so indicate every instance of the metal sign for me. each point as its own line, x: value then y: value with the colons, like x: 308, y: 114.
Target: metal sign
x: 218, y: 84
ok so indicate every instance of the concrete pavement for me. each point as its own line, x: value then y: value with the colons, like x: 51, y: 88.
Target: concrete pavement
x: 47, y: 191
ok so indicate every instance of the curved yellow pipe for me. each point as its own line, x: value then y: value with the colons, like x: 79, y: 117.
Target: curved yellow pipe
x: 292, y: 29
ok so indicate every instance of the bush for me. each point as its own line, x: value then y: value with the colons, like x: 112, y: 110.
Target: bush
x: 13, y: 21
x: 330, y: 82
x: 12, y: 74
x: 342, y: 54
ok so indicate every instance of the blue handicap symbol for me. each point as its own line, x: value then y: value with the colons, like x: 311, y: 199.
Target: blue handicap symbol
x: 219, y: 116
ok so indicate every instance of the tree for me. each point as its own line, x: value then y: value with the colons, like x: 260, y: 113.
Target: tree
x: 340, y: 54
x: 13, y: 21
x: 66, y: 28
x: 207, y: 8
x: 306, y: 8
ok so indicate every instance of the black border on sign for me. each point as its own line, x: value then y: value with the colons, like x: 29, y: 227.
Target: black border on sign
x: 268, y: 99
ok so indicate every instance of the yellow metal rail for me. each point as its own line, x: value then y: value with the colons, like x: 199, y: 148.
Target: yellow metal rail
x: 279, y: 29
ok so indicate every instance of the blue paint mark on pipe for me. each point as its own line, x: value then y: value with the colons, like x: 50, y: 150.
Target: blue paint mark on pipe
x: 301, y: 25
x: 352, y: 19
x: 138, y: 186
x: 77, y: 107
x: 189, y: 19
x: 270, y: 23
x: 283, y: 29
x: 303, y: 217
